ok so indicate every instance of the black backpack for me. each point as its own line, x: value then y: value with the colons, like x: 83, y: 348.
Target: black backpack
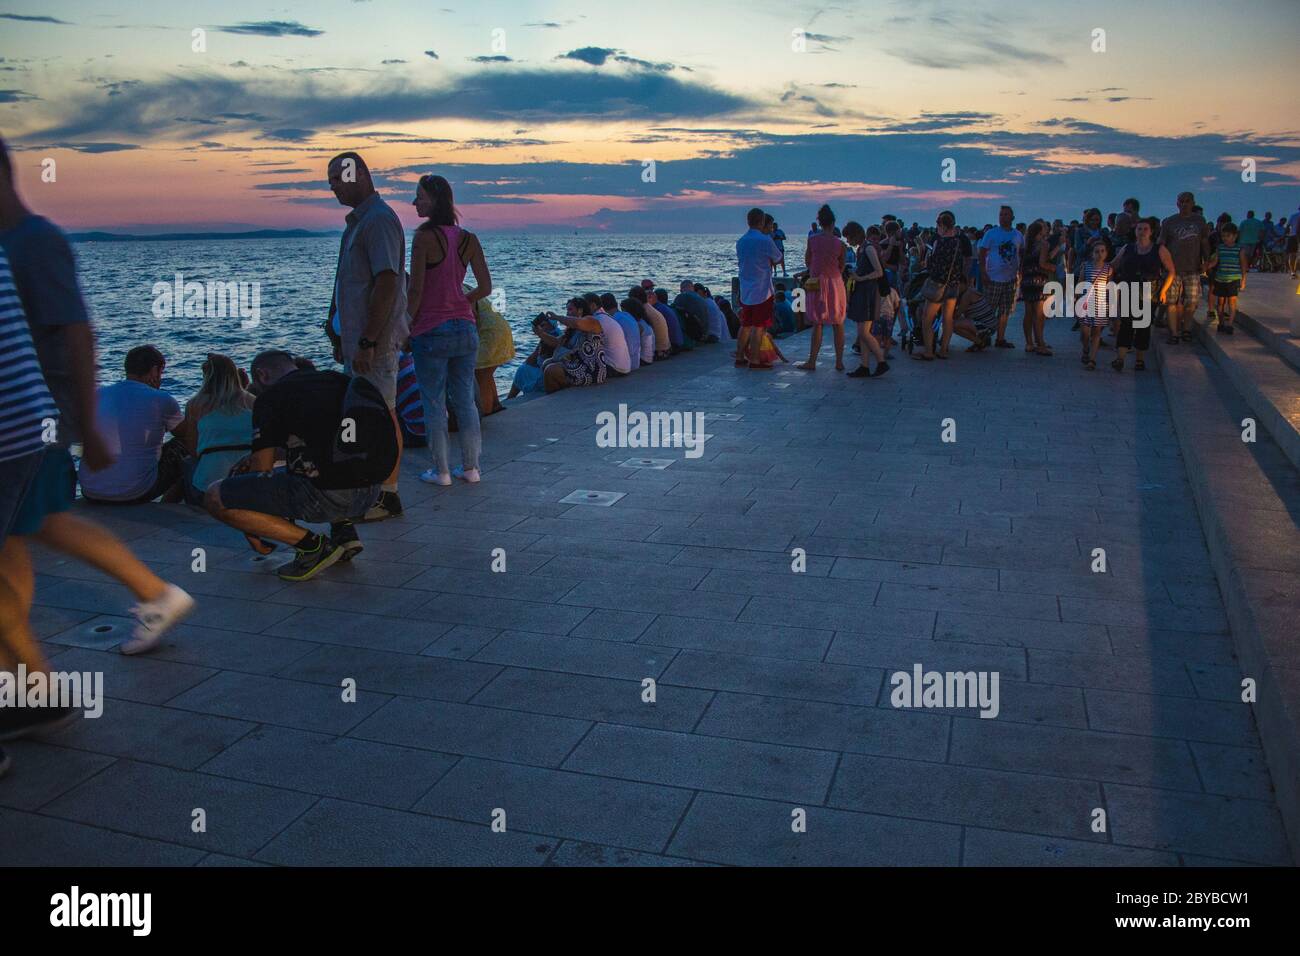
x: 365, y: 444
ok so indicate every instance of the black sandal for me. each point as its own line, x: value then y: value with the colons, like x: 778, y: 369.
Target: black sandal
x: 1117, y: 365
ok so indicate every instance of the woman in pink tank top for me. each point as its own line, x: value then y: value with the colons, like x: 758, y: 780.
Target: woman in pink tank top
x: 444, y: 339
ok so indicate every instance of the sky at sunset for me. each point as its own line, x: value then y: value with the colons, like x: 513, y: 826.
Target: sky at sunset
x: 547, y: 115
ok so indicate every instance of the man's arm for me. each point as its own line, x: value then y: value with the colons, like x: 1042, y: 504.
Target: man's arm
x: 380, y: 310
x: 262, y: 460
x: 383, y: 242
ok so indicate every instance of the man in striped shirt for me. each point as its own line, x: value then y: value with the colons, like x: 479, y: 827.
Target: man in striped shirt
x: 45, y: 277
x: 28, y: 421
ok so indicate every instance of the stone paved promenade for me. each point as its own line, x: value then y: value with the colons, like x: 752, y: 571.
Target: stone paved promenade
x: 523, y: 690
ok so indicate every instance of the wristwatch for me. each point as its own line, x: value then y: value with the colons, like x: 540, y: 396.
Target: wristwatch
x: 365, y: 343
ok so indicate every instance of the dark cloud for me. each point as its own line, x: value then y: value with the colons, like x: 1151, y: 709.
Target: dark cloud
x: 600, y: 55
x: 16, y: 96
x: 325, y: 102
x: 499, y: 143
x: 27, y: 19
x: 115, y: 87
x: 1041, y: 173
x: 499, y: 58
x: 431, y: 54
x: 271, y: 28
x: 289, y: 134
x: 89, y: 147
x: 594, y: 55
x: 387, y: 62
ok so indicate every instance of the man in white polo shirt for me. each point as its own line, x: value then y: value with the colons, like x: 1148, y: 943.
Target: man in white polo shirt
x: 135, y: 416
x: 756, y: 255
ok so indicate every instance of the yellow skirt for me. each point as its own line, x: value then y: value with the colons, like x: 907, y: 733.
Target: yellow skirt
x: 496, y: 343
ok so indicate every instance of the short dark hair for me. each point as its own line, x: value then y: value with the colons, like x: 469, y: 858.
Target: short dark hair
x: 593, y: 300
x: 637, y: 293
x: 143, y: 359
x: 947, y: 218
x: 1137, y: 206
x: 755, y: 217
x: 355, y: 157
x: 273, y: 361
x: 608, y: 302
x: 1229, y: 229
x: 1186, y: 197
x: 1008, y: 209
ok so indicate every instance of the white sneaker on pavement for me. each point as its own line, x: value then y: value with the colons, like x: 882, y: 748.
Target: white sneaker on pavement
x: 156, y: 618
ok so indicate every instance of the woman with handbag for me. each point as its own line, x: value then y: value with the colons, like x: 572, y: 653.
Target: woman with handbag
x: 825, y: 298
x: 941, y: 289
x: 864, y: 299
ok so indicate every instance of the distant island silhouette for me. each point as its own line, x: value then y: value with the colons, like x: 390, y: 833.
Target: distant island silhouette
x: 172, y: 236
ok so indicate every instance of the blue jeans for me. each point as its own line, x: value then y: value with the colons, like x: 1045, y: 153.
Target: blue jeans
x: 444, y: 366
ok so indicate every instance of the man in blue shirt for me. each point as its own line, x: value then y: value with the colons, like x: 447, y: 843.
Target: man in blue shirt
x: 693, y: 311
x: 756, y: 254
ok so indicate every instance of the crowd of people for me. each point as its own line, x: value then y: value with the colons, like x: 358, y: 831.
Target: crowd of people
x: 930, y: 284
x: 283, y: 445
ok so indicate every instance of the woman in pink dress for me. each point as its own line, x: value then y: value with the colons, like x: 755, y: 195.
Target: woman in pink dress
x: 827, y: 302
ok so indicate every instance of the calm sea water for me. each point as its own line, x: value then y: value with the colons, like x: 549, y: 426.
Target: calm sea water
x: 535, y: 272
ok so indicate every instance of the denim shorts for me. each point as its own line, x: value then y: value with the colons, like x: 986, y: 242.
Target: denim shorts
x: 295, y: 497
x: 52, y: 491
x: 16, y: 477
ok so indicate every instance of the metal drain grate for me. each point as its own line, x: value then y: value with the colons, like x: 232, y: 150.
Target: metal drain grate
x: 601, y: 499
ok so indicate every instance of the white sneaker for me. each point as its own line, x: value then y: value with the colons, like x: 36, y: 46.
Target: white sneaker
x: 157, y: 618
x: 434, y: 477
x: 472, y: 476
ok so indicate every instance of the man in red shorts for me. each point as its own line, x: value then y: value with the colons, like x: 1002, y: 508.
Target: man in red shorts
x: 756, y: 254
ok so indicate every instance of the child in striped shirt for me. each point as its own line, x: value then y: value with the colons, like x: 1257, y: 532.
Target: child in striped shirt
x: 1229, y: 263
x: 1095, y: 313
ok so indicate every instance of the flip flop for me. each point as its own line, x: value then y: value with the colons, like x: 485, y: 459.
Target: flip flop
x: 922, y: 357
